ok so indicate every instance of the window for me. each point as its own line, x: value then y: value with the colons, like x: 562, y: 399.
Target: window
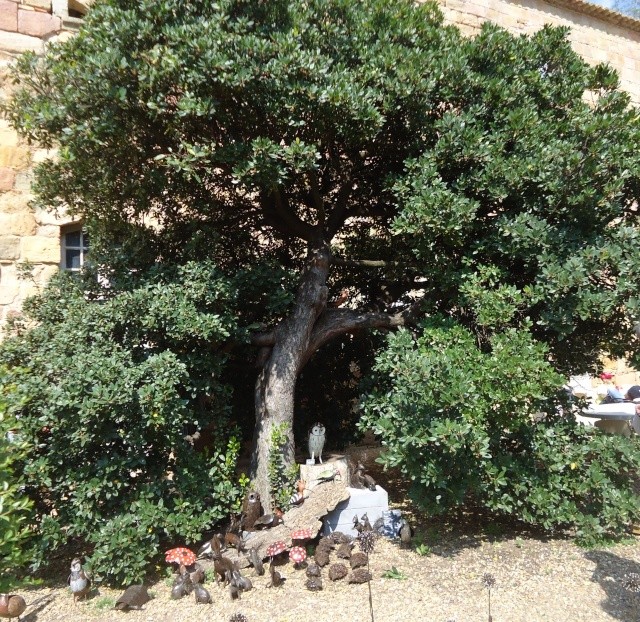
x: 75, y: 248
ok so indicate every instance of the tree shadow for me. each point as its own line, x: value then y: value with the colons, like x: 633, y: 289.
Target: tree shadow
x: 35, y: 607
x: 609, y: 573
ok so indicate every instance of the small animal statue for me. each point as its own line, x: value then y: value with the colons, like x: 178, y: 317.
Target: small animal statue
x: 269, y: 520
x: 316, y: 441
x: 223, y: 568
x: 79, y: 581
x: 276, y: 578
x: 201, y: 594
x: 297, y: 498
x: 242, y: 583
x: 195, y: 572
x: 405, y: 533
x: 357, y: 525
x: 366, y: 523
x: 134, y: 597
x: 211, y: 548
x: 251, y: 510
x: 256, y: 561
x: 361, y: 479
x: 12, y: 606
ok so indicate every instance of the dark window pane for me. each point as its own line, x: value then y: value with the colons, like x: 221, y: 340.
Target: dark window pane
x: 85, y: 240
x: 72, y: 259
x: 72, y: 238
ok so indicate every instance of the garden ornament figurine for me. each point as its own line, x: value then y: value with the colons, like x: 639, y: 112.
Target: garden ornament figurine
x: 316, y: 442
x: 134, y: 597
x: 251, y: 510
x: 79, y: 581
x: 12, y: 606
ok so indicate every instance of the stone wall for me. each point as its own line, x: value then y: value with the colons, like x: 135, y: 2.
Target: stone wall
x: 33, y: 236
x: 597, y: 34
x: 26, y: 234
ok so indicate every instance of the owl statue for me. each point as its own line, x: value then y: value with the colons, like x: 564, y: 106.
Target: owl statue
x: 316, y: 441
x: 251, y: 510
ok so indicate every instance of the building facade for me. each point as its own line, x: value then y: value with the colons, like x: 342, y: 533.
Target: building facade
x: 50, y: 243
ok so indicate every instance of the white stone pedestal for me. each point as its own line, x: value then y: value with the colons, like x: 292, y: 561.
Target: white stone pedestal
x: 361, y: 501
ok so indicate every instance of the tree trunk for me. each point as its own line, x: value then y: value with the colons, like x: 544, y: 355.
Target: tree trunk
x: 275, y: 386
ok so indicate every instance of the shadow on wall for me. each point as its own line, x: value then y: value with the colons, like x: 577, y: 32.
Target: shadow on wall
x: 620, y: 603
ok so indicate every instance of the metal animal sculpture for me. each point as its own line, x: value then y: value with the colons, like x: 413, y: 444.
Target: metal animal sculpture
x: 134, y: 597
x: 12, y: 606
x: 79, y: 581
x: 251, y: 510
x: 316, y: 441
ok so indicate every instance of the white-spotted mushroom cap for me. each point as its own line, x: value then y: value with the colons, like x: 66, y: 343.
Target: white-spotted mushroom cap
x: 301, y: 535
x: 297, y: 555
x: 276, y: 548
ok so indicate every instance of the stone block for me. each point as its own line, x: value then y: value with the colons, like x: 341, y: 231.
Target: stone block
x: 17, y: 43
x: 23, y: 182
x: 44, y: 5
x: 9, y: 293
x: 37, y: 24
x: 48, y: 231
x: 45, y: 217
x: 361, y: 501
x: 7, y: 178
x: 40, y: 250
x: 40, y: 155
x: 334, y: 468
x: 13, y: 203
x: 14, y: 156
x: 8, y: 16
x: 9, y: 248
x: 18, y: 224
x: 8, y: 136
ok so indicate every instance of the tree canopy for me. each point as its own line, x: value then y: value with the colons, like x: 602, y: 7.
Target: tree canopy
x: 362, y: 163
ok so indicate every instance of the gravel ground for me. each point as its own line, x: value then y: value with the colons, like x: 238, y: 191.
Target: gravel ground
x: 535, y: 580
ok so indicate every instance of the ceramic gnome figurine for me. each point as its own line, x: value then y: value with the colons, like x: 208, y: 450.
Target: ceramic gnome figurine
x: 316, y: 441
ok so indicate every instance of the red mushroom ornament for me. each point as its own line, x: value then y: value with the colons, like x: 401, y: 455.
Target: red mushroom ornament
x: 181, y: 556
x: 301, y: 535
x: 273, y: 550
x: 297, y: 555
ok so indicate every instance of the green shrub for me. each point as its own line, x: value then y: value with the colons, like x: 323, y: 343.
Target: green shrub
x: 15, y: 506
x: 470, y: 424
x: 109, y: 391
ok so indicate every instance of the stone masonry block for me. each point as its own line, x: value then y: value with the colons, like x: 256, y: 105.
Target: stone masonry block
x: 15, y: 157
x: 40, y: 250
x: 45, y: 5
x: 37, y: 24
x: 8, y: 136
x: 18, y: 224
x: 15, y: 42
x: 9, y: 248
x: 13, y: 203
x: 8, y: 16
x: 8, y: 293
x: 7, y: 178
x: 371, y: 503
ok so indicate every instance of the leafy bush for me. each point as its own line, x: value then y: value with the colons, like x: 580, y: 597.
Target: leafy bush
x: 110, y: 392
x: 15, y: 507
x: 465, y: 423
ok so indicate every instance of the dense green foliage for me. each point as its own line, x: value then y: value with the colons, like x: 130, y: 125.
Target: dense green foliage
x: 465, y: 424
x: 492, y: 181
x: 107, y: 394
x: 15, y: 506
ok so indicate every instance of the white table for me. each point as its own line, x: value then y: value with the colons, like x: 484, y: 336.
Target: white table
x: 614, y: 418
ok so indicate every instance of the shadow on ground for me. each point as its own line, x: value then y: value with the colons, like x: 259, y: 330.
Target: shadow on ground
x: 609, y: 573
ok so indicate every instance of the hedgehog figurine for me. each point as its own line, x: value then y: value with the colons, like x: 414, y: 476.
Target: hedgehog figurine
x: 313, y: 570
x: 321, y: 557
x: 338, y: 571
x: 358, y: 560
x: 359, y: 575
x: 344, y: 551
x: 314, y: 584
